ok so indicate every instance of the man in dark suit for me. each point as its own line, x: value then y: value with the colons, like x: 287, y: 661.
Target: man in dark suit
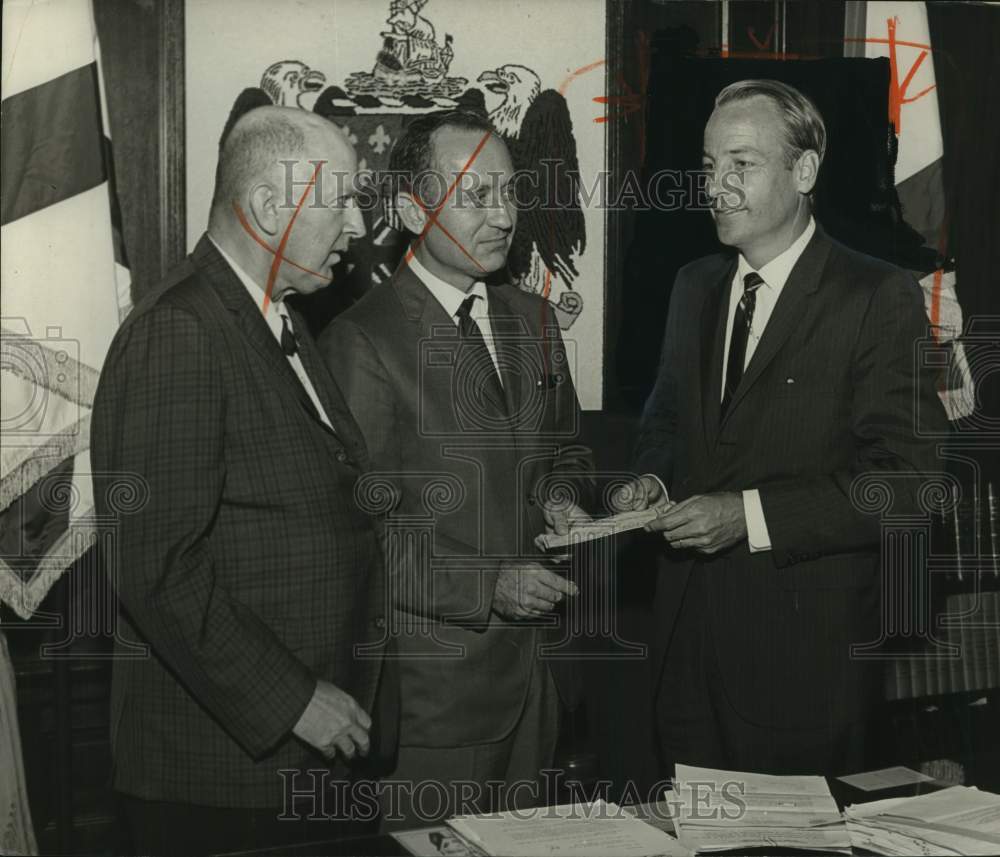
x: 244, y: 563
x: 788, y: 369
x: 464, y: 396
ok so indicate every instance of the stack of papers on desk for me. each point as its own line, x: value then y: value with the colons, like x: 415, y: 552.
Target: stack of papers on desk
x: 577, y: 830
x: 719, y: 810
x: 958, y: 820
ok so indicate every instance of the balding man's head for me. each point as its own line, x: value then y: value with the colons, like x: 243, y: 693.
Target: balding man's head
x: 286, y: 174
x: 265, y: 138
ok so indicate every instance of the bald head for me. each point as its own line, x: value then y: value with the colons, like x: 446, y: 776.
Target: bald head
x: 265, y: 138
x: 286, y: 178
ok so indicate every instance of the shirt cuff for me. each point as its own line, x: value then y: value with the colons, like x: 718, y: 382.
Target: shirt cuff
x: 663, y: 488
x: 757, y: 535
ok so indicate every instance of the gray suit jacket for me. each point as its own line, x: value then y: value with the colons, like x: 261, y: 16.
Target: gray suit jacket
x: 462, y: 482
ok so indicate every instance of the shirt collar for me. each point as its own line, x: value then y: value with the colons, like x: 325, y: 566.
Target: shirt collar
x: 256, y: 292
x: 447, y: 295
x: 775, y: 273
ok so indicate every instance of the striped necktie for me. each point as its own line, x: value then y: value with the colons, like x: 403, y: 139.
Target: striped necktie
x: 741, y: 333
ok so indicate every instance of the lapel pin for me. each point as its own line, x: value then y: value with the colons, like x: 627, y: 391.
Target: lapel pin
x: 789, y: 380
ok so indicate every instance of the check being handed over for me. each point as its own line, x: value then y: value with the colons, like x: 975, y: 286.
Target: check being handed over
x: 599, y: 528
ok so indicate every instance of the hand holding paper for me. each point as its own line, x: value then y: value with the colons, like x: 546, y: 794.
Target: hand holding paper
x: 643, y: 492
x: 560, y: 517
x: 707, y: 523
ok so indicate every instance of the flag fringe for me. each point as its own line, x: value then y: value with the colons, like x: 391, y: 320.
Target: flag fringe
x: 71, y: 441
x: 23, y: 597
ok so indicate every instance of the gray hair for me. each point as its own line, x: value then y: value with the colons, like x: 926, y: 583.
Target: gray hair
x: 803, y: 124
x: 254, y: 148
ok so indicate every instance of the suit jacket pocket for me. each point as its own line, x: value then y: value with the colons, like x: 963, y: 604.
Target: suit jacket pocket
x: 834, y: 571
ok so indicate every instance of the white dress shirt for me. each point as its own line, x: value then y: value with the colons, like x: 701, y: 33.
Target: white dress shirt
x: 775, y: 275
x: 451, y: 299
x: 276, y: 310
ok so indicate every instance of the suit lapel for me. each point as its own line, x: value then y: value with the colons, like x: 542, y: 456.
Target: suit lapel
x: 714, y: 318
x: 507, y: 333
x: 329, y: 393
x: 802, y: 282
x: 250, y: 321
x: 422, y: 308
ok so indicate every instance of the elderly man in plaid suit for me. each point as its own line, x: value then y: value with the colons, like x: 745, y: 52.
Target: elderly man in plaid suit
x: 248, y: 569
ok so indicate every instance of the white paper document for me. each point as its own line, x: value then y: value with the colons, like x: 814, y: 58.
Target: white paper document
x: 598, y: 528
x: 886, y: 778
x: 575, y: 830
x: 434, y: 841
x: 958, y: 820
x: 719, y: 810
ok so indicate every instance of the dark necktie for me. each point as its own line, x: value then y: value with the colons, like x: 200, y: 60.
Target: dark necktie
x: 289, y: 344
x: 741, y: 333
x: 484, y: 370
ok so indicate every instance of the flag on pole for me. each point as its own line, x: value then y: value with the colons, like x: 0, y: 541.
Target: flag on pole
x: 899, y: 31
x: 65, y: 287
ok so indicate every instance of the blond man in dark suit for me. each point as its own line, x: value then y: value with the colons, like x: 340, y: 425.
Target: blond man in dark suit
x: 788, y: 371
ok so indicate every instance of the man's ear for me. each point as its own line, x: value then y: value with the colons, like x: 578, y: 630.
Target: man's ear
x: 264, y: 208
x: 411, y: 213
x: 806, y: 171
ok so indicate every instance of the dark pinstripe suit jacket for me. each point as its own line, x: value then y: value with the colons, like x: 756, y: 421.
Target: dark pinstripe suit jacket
x: 248, y: 569
x: 435, y: 435
x: 832, y: 391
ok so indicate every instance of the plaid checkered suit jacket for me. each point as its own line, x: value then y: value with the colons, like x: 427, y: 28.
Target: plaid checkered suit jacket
x: 246, y: 566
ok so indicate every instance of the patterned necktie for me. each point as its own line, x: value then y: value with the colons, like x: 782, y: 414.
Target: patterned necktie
x: 289, y: 344
x: 741, y: 333
x: 484, y: 370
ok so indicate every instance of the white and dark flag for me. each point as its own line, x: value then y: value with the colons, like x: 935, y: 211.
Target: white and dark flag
x: 900, y: 32
x: 65, y: 287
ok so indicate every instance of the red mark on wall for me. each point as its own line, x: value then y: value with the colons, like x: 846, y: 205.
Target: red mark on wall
x: 632, y: 101
x: 766, y: 44
x: 898, y: 90
x: 573, y: 75
x: 935, y: 311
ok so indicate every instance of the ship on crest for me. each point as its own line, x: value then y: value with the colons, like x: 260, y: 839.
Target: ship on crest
x: 410, y: 52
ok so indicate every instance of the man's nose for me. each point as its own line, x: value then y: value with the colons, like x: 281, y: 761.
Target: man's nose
x: 355, y: 221
x: 712, y: 184
x: 502, y: 216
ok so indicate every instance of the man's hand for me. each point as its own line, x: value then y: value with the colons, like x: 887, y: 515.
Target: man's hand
x: 643, y: 492
x: 333, y: 721
x: 707, y: 523
x: 526, y: 590
x: 559, y: 517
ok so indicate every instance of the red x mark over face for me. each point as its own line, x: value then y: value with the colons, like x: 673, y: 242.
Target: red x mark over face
x: 316, y: 235
x: 468, y: 232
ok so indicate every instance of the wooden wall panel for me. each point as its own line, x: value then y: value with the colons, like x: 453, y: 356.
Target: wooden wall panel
x: 142, y: 46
